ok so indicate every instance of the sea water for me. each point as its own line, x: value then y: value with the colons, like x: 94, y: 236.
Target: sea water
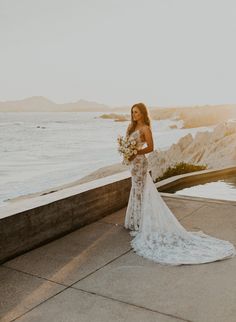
x: 40, y: 150
x: 224, y: 188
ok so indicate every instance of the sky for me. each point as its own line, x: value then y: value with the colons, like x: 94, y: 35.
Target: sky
x: 119, y: 52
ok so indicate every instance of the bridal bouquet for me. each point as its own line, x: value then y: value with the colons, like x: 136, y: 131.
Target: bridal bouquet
x: 126, y: 147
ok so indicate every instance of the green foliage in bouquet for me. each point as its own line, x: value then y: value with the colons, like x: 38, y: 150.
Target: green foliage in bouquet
x: 180, y: 168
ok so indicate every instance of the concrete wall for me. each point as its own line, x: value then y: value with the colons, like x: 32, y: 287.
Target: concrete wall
x: 27, y: 224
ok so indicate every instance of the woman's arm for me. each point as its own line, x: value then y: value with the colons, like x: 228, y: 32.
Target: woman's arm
x: 148, y: 138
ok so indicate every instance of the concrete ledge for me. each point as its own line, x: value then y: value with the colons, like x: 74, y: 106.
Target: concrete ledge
x: 27, y: 224
x: 189, y: 179
x: 167, y: 195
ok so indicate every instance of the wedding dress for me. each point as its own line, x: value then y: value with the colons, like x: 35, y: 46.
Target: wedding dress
x: 158, y: 235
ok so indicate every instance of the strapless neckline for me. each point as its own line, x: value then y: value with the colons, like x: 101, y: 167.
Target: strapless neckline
x: 138, y: 130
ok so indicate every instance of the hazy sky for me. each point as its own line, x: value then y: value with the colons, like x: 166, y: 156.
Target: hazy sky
x: 118, y: 52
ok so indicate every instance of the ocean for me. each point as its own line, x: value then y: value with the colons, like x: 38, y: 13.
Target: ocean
x: 39, y: 151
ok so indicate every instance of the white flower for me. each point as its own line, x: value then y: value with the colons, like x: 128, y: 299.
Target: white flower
x: 127, y: 147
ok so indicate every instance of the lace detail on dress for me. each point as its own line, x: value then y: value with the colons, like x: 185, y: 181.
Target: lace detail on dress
x: 174, y: 249
x: 158, y: 235
x: 138, y: 169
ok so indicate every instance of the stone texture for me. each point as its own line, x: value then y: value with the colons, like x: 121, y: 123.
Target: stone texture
x: 201, y: 293
x: 74, y: 305
x: 27, y: 224
x: 216, y: 220
x: 116, y: 218
x: 75, y: 255
x: 181, y: 208
x: 20, y: 292
x: 215, y: 149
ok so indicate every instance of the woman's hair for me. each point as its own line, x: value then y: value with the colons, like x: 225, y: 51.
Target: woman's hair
x: 147, y: 120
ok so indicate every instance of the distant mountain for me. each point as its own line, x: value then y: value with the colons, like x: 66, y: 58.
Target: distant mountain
x: 42, y: 104
x: 84, y: 106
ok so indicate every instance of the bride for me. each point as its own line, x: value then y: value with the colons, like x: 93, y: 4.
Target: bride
x: 158, y: 235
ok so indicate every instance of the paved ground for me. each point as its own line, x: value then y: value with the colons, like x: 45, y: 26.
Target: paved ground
x: 93, y: 274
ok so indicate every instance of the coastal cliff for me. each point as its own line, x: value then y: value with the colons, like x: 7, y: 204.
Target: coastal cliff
x: 214, y: 149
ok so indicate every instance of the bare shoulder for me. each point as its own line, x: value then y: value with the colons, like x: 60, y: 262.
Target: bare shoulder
x: 146, y: 129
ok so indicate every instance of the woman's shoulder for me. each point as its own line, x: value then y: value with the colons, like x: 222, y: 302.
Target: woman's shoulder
x: 146, y: 128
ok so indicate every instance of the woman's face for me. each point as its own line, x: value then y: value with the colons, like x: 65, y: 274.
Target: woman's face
x: 136, y: 114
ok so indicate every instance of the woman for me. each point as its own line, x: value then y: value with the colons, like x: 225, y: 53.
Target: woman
x: 158, y: 235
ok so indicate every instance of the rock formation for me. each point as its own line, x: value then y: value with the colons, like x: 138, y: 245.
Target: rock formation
x: 215, y: 149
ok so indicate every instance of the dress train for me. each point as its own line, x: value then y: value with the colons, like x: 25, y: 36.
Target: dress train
x: 158, y: 235
x: 163, y: 239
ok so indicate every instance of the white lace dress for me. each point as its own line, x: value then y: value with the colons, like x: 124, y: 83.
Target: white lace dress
x: 158, y: 235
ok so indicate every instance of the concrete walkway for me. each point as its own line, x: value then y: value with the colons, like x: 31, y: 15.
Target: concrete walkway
x: 93, y: 274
